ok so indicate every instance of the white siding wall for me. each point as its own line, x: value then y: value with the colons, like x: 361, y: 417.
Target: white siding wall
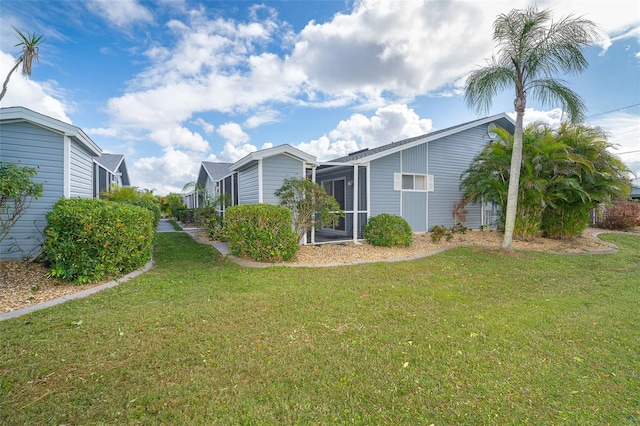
x: 30, y: 145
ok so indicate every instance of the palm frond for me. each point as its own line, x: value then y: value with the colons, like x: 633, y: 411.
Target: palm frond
x: 484, y: 84
x: 549, y: 90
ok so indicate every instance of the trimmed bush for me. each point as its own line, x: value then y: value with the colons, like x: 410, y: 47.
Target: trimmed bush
x: 622, y: 215
x: 87, y: 239
x: 262, y: 232
x: 387, y: 230
x: 148, y: 204
x: 440, y: 231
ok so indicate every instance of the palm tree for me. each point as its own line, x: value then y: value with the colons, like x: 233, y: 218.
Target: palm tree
x: 30, y: 50
x: 532, y: 49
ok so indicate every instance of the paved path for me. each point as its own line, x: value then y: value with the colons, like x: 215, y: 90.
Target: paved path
x: 165, y: 226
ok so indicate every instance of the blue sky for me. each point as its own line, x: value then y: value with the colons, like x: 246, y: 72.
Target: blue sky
x: 170, y: 83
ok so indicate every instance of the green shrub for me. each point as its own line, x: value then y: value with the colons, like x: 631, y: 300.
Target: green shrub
x: 203, y: 216
x: 387, y: 230
x: 261, y: 232
x: 565, y: 222
x: 439, y: 231
x: 215, y: 229
x: 88, y: 239
x: 622, y: 214
x: 148, y: 204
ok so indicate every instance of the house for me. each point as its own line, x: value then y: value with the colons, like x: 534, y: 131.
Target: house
x: 109, y: 171
x: 255, y: 177
x: 635, y: 192
x: 63, y: 156
x: 209, y: 174
x: 416, y: 178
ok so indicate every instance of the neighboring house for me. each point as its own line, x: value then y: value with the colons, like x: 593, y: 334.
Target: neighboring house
x: 209, y: 175
x: 635, y: 192
x: 110, y: 170
x: 417, y: 178
x: 63, y: 156
x: 255, y: 177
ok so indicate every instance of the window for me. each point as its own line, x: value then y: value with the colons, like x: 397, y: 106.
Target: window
x: 413, y: 182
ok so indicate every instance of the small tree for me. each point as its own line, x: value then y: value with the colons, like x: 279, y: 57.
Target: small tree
x: 310, y: 204
x: 16, y: 192
x: 30, y: 44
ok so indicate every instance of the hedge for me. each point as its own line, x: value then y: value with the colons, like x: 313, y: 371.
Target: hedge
x: 262, y: 232
x: 89, y: 239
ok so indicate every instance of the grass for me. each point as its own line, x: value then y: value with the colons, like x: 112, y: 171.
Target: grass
x: 469, y: 336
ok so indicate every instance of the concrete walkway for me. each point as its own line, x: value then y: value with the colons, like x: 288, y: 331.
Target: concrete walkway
x: 165, y: 226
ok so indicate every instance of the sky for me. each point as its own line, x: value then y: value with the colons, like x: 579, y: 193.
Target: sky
x: 170, y: 83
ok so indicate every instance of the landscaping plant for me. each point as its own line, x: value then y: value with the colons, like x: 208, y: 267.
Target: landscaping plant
x: 262, y: 232
x: 387, y: 230
x: 87, y: 240
x: 17, y: 189
x: 310, y: 205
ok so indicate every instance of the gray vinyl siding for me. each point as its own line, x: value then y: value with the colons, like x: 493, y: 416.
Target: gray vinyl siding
x: 448, y: 158
x: 414, y: 160
x: 414, y: 204
x: 383, y: 198
x: 274, y: 171
x: 248, y: 185
x: 45, y: 152
x: 81, y: 172
x: 414, y: 210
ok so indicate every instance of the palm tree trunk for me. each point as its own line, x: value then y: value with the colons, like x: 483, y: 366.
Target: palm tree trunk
x: 6, y: 80
x: 514, y: 181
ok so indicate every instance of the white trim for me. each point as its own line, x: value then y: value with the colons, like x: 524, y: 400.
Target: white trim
x: 270, y: 152
x: 426, y: 211
x: 260, y: 183
x: 368, y: 166
x: 23, y: 114
x: 429, y: 137
x: 400, y: 207
x: 66, y: 167
x: 355, y: 202
x: 313, y: 228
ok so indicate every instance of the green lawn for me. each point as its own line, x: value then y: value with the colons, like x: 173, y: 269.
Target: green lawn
x: 468, y: 336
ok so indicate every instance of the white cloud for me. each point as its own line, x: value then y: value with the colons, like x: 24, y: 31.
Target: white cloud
x: 388, y: 124
x: 624, y: 131
x: 378, y: 55
x: 233, y: 133
x: 29, y: 93
x: 407, y: 48
x: 262, y: 117
x: 168, y: 173
x: 122, y: 12
x: 207, y: 127
x: 236, y: 143
x: 177, y: 136
x: 616, y: 19
x: 552, y: 117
